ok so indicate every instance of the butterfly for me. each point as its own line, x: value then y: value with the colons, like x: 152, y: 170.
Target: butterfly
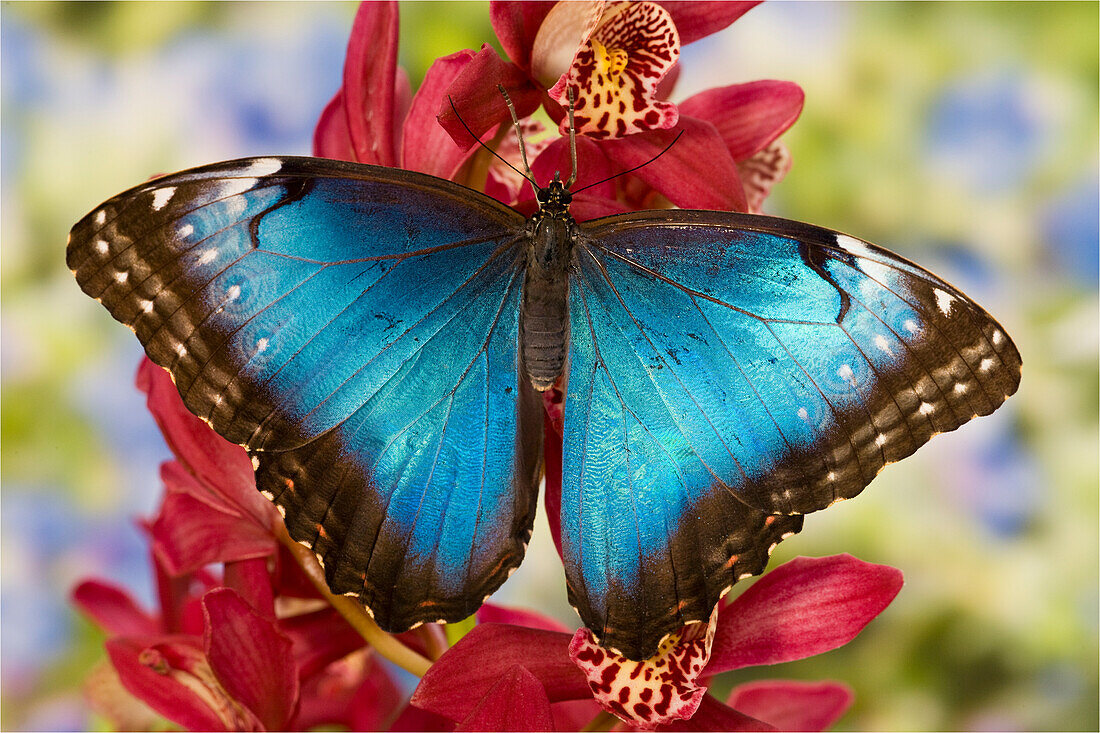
x: 378, y: 339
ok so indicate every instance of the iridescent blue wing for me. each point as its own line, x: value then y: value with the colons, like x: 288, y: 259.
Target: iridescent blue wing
x: 355, y: 329
x: 729, y: 374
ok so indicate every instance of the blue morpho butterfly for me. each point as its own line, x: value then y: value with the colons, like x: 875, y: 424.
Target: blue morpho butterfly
x: 377, y: 340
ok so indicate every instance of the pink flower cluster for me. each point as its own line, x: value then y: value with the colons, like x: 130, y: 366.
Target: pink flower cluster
x: 247, y: 636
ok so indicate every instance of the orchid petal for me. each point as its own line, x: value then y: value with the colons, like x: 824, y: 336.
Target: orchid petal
x: 792, y: 705
x: 749, y: 117
x: 761, y: 172
x: 377, y: 699
x: 320, y: 638
x: 331, y: 137
x: 425, y: 145
x: 551, y: 461
x: 697, y: 172
x: 251, y: 657
x: 804, y: 607
x: 593, y: 166
x: 614, y: 76
x: 413, y: 718
x: 562, y: 34
x: 516, y: 24
x: 107, y: 697
x: 193, y: 530
x: 652, y: 691
x: 171, y: 675
x: 490, y: 613
x: 113, y: 610
x: 368, y: 91
x: 221, y: 466
x: 459, y: 678
x: 697, y: 20
x: 252, y: 580
x: 515, y: 702
x: 712, y: 715
x: 479, y: 102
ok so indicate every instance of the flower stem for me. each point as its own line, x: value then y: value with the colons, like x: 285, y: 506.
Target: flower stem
x: 353, y: 611
x: 603, y: 721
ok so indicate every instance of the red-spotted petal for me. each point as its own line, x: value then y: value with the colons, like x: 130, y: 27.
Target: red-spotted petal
x: 615, y: 74
x: 762, y: 171
x: 652, y: 691
x: 562, y: 33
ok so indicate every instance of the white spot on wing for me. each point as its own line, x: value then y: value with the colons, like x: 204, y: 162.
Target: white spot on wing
x: 181, y: 350
x: 101, y: 246
x: 121, y: 276
x: 880, y: 439
x: 185, y: 230
x: 926, y: 408
x: 264, y: 166
x: 850, y: 244
x: 208, y: 256
x: 943, y: 302
x: 146, y: 306
x: 998, y: 337
x: 910, y: 325
x: 162, y: 196
x: 883, y: 345
x: 803, y: 414
x: 261, y: 345
x: 100, y: 217
x: 234, y: 292
x: 986, y: 364
x: 960, y: 388
x: 234, y: 186
x: 845, y: 373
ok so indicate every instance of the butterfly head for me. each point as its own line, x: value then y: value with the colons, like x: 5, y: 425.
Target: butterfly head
x: 554, y: 199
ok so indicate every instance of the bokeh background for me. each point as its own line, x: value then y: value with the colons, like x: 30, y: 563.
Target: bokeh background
x: 963, y: 136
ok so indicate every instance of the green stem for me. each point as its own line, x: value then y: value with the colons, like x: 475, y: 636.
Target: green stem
x: 603, y: 721
x: 354, y: 612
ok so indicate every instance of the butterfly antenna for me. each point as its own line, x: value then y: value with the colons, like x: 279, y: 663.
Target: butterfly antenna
x: 643, y: 165
x: 572, y: 140
x: 519, y: 134
x: 495, y: 154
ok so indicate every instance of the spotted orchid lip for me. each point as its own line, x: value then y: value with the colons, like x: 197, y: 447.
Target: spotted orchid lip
x: 612, y: 56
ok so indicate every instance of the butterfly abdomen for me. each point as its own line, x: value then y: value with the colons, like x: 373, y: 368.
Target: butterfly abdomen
x: 544, y: 314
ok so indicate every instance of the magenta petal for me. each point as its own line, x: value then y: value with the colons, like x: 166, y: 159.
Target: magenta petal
x: 113, y: 610
x: 791, y: 705
x: 251, y: 658
x: 252, y: 580
x: 516, y: 24
x: 712, y: 715
x: 490, y: 613
x: 425, y: 145
x: 748, y: 116
x: 695, y: 20
x: 593, y: 166
x: 515, y: 702
x: 331, y: 137
x: 551, y: 496
x: 471, y: 667
x: 412, y: 718
x: 193, y: 530
x: 697, y: 172
x: 804, y: 607
x: 218, y: 464
x: 320, y: 638
x: 479, y: 102
x: 369, y: 73
x: 170, y: 675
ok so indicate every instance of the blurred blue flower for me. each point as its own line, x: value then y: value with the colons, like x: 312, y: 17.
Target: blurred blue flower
x: 1071, y: 227
x: 987, y: 132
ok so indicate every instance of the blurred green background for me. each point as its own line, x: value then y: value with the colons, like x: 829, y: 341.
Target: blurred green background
x: 963, y: 136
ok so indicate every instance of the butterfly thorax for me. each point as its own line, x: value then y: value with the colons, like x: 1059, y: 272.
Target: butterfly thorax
x: 544, y: 316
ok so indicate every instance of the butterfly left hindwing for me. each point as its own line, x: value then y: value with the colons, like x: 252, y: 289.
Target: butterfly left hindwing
x: 730, y: 373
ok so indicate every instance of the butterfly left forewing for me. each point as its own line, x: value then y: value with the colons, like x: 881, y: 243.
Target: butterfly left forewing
x: 355, y: 328
x: 719, y: 357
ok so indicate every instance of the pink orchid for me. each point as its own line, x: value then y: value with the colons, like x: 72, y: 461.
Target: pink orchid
x: 727, y: 157
x: 255, y: 647
x: 802, y: 608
